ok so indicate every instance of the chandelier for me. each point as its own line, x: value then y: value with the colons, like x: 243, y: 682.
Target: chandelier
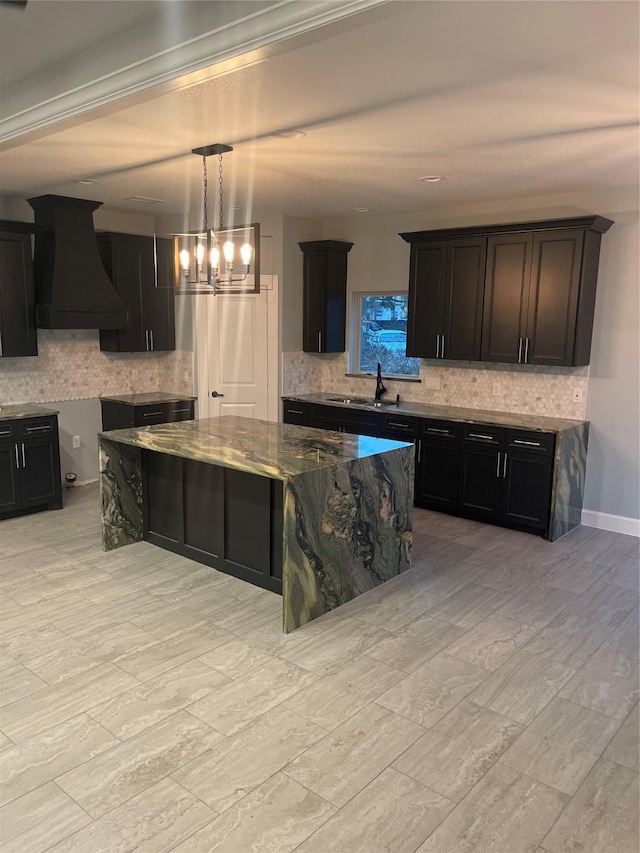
x: 224, y: 258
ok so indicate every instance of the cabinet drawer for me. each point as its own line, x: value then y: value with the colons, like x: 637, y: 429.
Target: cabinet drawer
x: 154, y: 413
x: 344, y: 419
x: 482, y: 434
x: 180, y: 411
x: 400, y: 426
x: 7, y: 430
x: 33, y: 427
x: 440, y: 429
x: 295, y: 413
x: 533, y: 442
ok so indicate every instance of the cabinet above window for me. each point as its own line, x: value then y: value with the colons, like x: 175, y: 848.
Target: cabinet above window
x: 521, y: 293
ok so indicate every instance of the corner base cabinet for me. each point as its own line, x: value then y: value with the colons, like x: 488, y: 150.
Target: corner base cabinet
x: 29, y: 466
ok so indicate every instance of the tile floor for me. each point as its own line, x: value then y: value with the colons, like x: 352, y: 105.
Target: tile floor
x: 485, y: 702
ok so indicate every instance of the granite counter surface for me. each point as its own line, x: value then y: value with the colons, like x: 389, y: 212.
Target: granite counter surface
x: 279, y: 451
x: 537, y: 423
x: 12, y: 412
x: 148, y: 397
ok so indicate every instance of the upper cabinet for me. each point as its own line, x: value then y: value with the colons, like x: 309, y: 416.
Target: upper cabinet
x: 324, y: 295
x: 141, y: 270
x: 522, y: 293
x: 17, y: 301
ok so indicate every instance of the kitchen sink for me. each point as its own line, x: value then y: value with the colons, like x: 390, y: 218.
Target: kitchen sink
x: 361, y: 401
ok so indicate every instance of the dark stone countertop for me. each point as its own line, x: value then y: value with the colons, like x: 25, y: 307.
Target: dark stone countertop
x: 147, y: 397
x: 13, y: 411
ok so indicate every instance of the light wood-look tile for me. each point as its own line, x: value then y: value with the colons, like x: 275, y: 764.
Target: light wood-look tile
x: 522, y: 686
x: 569, y: 640
x: 235, y: 658
x: 624, y: 638
x: 603, y: 815
x: 110, y: 779
x: 604, y: 603
x: 330, y: 650
x: 39, y: 819
x: 94, y: 617
x: 456, y: 753
x: 343, y: 762
x: 155, y: 820
x: 624, y: 748
x: 429, y: 692
x: 607, y: 682
x: 238, y: 764
x: 492, y: 642
x: 26, y: 766
x: 469, y: 606
x: 537, y: 604
x: 512, y: 575
x: 275, y: 818
x: 561, y: 745
x: 19, y: 646
x: 160, y: 697
x: 505, y: 813
x: 237, y: 704
x: 16, y: 682
x: 415, y: 643
x: 626, y: 573
x: 393, y: 813
x: 574, y: 574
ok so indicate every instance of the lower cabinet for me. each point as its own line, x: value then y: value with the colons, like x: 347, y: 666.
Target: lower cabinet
x: 121, y: 415
x: 437, y: 466
x: 204, y: 512
x: 29, y: 466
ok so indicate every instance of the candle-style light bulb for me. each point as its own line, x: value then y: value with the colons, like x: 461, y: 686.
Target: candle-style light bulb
x: 184, y: 260
x: 215, y: 258
x: 246, y: 251
x: 199, y: 253
x: 228, y: 250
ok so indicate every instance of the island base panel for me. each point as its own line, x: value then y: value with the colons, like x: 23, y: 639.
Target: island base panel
x: 120, y: 494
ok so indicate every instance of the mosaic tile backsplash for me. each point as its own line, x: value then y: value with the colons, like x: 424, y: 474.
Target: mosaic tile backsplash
x: 70, y: 366
x: 529, y: 389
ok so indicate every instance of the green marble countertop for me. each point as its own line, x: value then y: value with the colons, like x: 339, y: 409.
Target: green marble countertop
x: 148, y: 397
x: 536, y: 423
x: 269, y: 449
x: 13, y: 411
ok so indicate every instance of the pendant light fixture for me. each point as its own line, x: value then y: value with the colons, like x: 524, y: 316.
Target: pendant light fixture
x: 221, y: 259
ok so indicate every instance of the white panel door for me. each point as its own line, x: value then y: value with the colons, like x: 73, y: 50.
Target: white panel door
x: 233, y: 355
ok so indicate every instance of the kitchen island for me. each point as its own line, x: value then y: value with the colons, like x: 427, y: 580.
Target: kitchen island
x: 319, y: 516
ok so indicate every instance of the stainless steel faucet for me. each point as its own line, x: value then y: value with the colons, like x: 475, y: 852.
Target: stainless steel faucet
x: 380, y: 389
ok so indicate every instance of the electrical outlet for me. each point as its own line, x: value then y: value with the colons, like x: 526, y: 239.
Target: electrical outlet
x: 76, y: 441
x: 497, y: 389
x: 578, y: 395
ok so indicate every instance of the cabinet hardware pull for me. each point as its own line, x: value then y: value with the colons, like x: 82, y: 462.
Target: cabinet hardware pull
x: 0, y: 343
x: 5, y: 432
x: 37, y: 428
x: 419, y: 443
x: 151, y: 336
x: 504, y: 467
x: 479, y: 435
x: 437, y: 346
x: 439, y: 431
x: 526, y: 350
x: 400, y: 426
x: 146, y: 339
x: 295, y: 412
x: 15, y: 447
x: 181, y: 410
x: 498, y: 465
x: 528, y: 443
x: 24, y: 461
x: 319, y: 341
x: 150, y: 414
x: 442, y: 347
x: 520, y: 351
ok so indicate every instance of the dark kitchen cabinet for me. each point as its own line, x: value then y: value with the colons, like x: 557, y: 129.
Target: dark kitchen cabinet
x: 480, y: 483
x: 29, y: 465
x: 437, y: 465
x: 117, y: 414
x: 141, y: 270
x: 344, y: 419
x: 531, y: 302
x: 446, y: 286
x: 17, y: 299
x: 526, y: 489
x: 295, y: 413
x: 324, y: 295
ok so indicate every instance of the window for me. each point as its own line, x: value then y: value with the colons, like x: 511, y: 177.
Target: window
x: 381, y: 335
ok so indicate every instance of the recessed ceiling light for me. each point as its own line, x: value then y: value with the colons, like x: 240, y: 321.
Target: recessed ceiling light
x: 289, y: 134
x: 361, y: 209
x: 85, y: 181
x: 431, y: 179
x: 143, y: 199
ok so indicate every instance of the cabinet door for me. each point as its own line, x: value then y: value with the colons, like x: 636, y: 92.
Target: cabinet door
x: 505, y: 299
x: 126, y: 258
x: 463, y: 299
x: 17, y: 312
x: 527, y: 489
x: 553, y: 297
x: 9, y: 476
x: 315, y: 298
x: 480, y: 481
x: 295, y: 413
x: 158, y: 297
x: 437, y: 473
x: 428, y: 265
x: 40, y: 474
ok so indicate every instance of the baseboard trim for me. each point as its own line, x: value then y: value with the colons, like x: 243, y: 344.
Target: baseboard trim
x: 615, y: 523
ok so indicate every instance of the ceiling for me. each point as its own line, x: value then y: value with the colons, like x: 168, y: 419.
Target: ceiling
x: 499, y: 98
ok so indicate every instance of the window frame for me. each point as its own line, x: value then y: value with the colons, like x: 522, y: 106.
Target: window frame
x: 356, y: 317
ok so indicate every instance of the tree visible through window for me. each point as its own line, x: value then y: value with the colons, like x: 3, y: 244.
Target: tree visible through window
x: 382, y: 335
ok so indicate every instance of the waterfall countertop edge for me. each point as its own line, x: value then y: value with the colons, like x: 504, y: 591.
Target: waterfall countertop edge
x: 266, y: 448
x: 537, y: 423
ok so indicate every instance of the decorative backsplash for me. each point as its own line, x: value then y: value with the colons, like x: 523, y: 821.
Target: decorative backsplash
x: 526, y: 389
x: 70, y: 366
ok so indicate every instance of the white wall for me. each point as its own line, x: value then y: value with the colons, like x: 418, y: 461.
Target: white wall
x: 295, y: 230
x: 380, y: 260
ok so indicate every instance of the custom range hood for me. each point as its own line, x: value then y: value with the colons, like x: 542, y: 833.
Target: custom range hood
x: 73, y: 290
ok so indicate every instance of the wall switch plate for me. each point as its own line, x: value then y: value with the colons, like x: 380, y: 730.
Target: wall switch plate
x: 76, y: 441
x: 497, y: 389
x: 578, y: 395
